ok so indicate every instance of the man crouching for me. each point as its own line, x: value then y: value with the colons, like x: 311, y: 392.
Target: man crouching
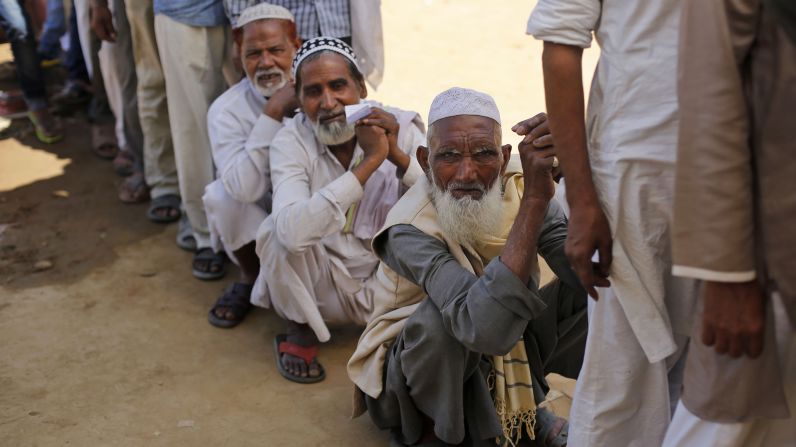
x: 334, y: 182
x: 468, y: 365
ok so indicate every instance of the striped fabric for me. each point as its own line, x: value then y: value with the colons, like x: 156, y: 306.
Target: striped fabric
x: 314, y: 18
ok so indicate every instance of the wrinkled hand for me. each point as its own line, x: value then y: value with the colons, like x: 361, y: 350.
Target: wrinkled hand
x: 588, y: 231
x: 373, y: 141
x: 102, y: 23
x: 733, y: 318
x: 283, y: 103
x: 536, y: 154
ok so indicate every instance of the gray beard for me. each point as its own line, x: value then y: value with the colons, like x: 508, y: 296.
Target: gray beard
x: 333, y: 133
x: 268, y: 91
x: 466, y: 220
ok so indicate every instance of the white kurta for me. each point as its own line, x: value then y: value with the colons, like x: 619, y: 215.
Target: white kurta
x: 240, y: 134
x: 640, y: 324
x: 309, y: 265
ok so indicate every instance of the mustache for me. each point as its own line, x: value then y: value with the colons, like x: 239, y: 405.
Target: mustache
x: 323, y: 114
x: 467, y: 185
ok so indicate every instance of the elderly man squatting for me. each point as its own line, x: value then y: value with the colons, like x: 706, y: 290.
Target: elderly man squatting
x: 333, y: 184
x: 241, y: 124
x: 459, y: 283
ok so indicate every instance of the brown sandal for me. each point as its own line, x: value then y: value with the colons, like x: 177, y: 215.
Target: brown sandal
x: 134, y: 189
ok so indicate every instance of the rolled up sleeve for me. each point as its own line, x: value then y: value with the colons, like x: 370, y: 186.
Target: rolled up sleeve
x: 567, y: 22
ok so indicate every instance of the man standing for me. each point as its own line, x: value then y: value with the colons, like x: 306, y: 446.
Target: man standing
x: 620, y: 192
x: 333, y: 182
x: 160, y: 169
x: 241, y: 124
x: 735, y: 211
x: 193, y: 40
x: 459, y: 287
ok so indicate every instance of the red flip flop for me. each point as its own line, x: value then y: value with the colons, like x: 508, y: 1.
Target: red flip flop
x: 308, y: 354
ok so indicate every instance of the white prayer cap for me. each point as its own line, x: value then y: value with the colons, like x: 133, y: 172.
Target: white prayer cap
x: 317, y: 44
x: 262, y: 11
x: 462, y: 101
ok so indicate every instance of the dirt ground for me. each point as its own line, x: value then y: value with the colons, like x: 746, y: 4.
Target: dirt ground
x: 110, y: 346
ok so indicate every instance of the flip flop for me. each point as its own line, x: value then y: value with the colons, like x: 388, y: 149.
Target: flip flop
x: 308, y: 354
x: 134, y: 189
x: 185, y: 238
x: 165, y: 201
x: 236, y: 300
x: 103, y: 141
x: 207, y: 254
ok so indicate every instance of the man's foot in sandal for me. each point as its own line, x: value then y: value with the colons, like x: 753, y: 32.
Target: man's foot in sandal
x: 134, y: 189
x: 232, y: 307
x: 208, y: 265
x: 103, y: 141
x: 124, y: 163
x: 46, y: 127
x: 551, y: 430
x: 164, y: 209
x: 296, y: 354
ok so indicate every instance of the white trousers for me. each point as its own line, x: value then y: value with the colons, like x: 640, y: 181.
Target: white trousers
x: 192, y: 58
x: 311, y: 287
x: 621, y: 399
x: 232, y: 224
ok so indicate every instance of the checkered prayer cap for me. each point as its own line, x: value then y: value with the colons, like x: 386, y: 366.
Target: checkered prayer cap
x: 262, y: 11
x: 462, y: 101
x: 317, y: 44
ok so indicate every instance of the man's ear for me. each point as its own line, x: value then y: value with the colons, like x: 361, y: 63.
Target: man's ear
x: 363, y: 89
x: 422, y: 157
x: 237, y: 36
x: 506, y: 149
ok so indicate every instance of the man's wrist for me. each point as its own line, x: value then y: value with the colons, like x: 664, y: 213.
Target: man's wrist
x: 273, y: 112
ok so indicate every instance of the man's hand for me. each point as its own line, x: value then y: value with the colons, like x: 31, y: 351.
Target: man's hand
x: 386, y: 120
x: 733, y: 318
x: 102, y: 23
x: 588, y: 231
x: 537, y: 155
x: 373, y: 141
x: 283, y: 103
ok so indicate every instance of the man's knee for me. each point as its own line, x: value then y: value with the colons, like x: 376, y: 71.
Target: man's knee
x: 425, y: 332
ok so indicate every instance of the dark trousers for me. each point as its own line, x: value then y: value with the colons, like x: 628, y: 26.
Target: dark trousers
x: 430, y: 375
x: 16, y: 24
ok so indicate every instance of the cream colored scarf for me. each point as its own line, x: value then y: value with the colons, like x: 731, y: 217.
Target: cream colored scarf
x: 511, y: 376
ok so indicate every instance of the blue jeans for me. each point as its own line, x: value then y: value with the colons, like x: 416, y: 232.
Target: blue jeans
x: 16, y: 24
x: 73, y: 61
x: 54, y: 28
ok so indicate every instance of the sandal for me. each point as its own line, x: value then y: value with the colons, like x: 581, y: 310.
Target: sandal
x: 307, y: 353
x: 185, y: 238
x: 551, y: 430
x: 134, y: 189
x: 103, y: 141
x: 124, y: 163
x: 47, y: 128
x: 236, y: 302
x: 212, y: 259
x: 166, y: 201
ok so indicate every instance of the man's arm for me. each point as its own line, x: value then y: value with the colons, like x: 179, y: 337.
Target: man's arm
x: 551, y: 245
x: 241, y: 157
x: 486, y: 314
x: 102, y: 20
x: 303, y: 218
x: 713, y: 231
x: 588, y: 227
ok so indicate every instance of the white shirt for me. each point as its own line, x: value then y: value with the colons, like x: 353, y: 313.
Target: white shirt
x: 313, y: 191
x: 240, y: 134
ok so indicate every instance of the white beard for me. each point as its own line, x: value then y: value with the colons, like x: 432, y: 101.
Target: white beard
x: 465, y: 220
x: 333, y: 133
x: 269, y: 90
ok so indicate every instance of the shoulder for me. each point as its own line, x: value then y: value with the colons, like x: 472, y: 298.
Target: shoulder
x: 295, y: 139
x: 231, y: 102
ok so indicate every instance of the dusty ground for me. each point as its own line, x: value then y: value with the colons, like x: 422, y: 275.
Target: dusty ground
x: 110, y: 346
